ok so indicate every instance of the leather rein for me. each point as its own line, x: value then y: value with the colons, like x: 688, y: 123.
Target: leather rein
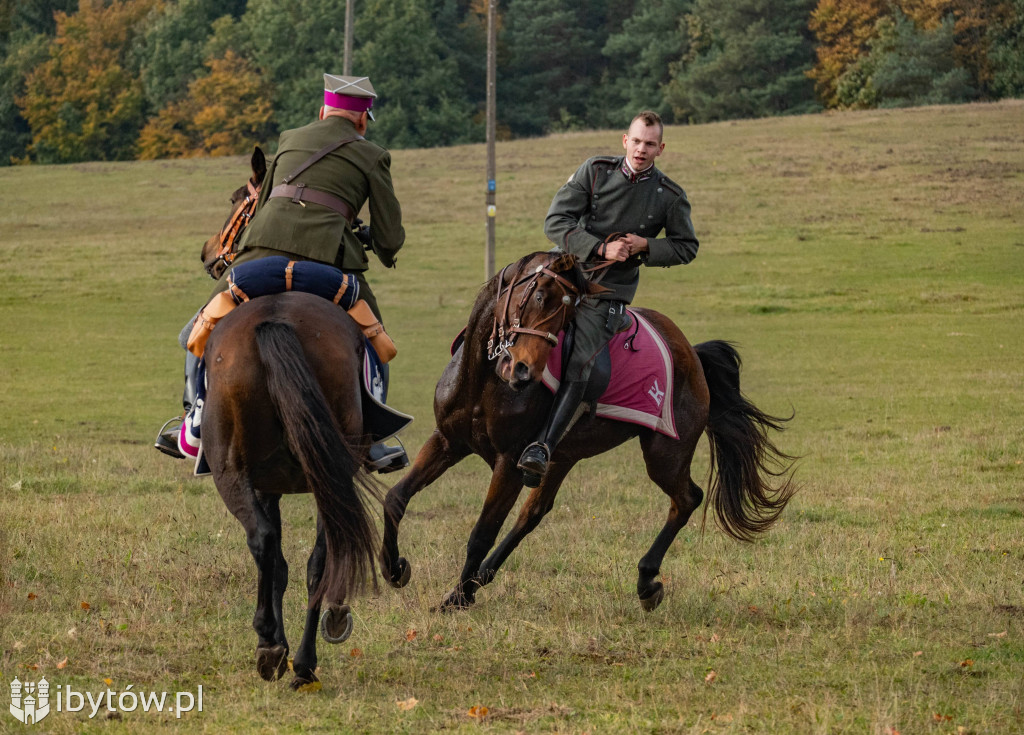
x: 507, y: 324
x: 234, y: 228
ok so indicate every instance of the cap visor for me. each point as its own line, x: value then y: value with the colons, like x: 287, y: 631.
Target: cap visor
x: 370, y: 114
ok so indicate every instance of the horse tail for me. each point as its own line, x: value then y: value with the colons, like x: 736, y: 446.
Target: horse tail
x: 329, y: 463
x: 743, y: 457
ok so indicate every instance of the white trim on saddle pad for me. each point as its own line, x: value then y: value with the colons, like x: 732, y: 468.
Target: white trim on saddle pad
x: 657, y: 383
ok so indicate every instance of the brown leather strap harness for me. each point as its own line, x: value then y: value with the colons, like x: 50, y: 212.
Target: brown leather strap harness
x: 236, y: 225
x: 507, y: 324
x: 300, y: 193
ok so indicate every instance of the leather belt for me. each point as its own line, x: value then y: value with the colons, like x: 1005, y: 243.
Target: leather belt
x: 303, y: 193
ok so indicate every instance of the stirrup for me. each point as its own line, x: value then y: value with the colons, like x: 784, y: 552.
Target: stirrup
x: 383, y: 458
x: 167, y: 439
x: 534, y: 463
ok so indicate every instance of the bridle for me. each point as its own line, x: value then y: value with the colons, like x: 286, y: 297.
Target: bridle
x: 507, y: 326
x: 233, y: 229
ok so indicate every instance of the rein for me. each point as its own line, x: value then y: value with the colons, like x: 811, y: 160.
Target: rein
x: 507, y: 324
x: 233, y: 229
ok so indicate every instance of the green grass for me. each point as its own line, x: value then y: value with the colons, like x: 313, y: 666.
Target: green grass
x: 869, y: 267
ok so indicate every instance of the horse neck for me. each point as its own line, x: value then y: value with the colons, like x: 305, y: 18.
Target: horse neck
x: 478, y: 331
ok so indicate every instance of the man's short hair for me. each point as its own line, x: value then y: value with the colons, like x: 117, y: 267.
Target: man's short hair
x: 650, y: 117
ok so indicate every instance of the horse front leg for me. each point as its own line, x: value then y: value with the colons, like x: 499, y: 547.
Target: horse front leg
x: 539, y: 502
x: 506, y: 484
x: 435, y: 458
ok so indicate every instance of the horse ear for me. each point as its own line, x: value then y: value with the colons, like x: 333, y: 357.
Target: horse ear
x: 259, y: 164
x: 595, y: 289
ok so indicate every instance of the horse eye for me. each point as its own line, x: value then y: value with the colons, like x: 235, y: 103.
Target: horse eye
x: 539, y: 297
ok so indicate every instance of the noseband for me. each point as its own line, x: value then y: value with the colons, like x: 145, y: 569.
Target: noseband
x: 233, y: 230
x: 507, y: 318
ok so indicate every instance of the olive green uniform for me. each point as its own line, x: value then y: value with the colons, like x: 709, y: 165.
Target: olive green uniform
x: 356, y: 172
x: 599, y: 200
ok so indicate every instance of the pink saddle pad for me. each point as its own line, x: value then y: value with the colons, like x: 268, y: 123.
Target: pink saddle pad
x: 640, y: 390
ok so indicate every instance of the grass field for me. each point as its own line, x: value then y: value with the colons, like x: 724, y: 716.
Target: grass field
x: 869, y: 266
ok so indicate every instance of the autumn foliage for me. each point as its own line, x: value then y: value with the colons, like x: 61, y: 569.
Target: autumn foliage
x: 227, y: 111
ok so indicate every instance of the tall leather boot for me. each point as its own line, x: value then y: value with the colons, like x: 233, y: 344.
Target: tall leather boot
x: 384, y: 458
x: 167, y: 439
x: 534, y: 462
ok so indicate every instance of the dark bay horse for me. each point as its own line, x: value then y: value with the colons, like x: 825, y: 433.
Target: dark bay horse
x: 283, y: 414
x: 494, y: 408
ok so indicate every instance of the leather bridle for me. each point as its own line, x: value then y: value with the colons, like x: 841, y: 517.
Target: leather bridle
x: 233, y: 229
x: 507, y: 324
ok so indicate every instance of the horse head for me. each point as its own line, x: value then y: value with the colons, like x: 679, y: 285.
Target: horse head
x: 219, y: 250
x: 537, y: 299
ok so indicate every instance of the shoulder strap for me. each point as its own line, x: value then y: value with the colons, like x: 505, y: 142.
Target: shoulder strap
x: 318, y: 155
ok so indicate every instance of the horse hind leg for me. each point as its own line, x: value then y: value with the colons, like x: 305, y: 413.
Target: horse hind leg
x: 305, y: 662
x: 272, y: 506
x: 264, y: 541
x: 668, y: 465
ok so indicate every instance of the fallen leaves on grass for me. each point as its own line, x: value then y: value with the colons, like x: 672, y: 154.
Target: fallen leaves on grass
x: 942, y: 718
x: 355, y: 652
x: 32, y: 595
x: 478, y: 712
x: 997, y: 635
x: 712, y: 675
x: 410, y: 635
x: 62, y: 664
x: 84, y: 605
x: 967, y: 663
x: 407, y: 704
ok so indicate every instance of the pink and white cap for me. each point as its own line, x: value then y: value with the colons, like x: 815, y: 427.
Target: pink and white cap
x: 349, y: 93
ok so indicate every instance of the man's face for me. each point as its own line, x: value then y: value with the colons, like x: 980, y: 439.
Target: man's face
x: 643, y: 144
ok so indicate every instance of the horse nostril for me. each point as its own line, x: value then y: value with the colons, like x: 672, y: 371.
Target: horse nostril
x: 521, y: 372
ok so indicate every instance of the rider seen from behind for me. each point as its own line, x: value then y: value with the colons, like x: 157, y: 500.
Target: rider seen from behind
x: 319, y: 180
x: 609, y: 214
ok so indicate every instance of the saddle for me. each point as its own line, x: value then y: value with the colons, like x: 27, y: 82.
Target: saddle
x: 276, y: 274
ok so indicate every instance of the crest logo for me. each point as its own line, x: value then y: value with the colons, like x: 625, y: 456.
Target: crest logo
x: 30, y: 701
x: 656, y: 393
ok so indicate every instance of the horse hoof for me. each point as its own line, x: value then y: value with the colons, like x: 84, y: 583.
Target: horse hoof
x: 455, y: 601
x: 308, y: 683
x: 399, y: 580
x: 271, y: 663
x: 654, y: 599
x: 336, y: 624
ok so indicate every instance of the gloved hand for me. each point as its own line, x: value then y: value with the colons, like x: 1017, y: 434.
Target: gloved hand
x: 363, y: 235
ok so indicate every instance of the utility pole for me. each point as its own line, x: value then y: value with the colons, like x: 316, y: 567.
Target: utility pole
x: 350, y: 12
x: 492, y: 35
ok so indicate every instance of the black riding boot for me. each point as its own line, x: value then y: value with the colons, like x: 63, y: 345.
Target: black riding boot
x: 384, y: 458
x: 167, y: 439
x: 534, y: 462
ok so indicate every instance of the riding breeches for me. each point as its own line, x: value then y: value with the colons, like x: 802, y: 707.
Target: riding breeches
x: 597, y: 321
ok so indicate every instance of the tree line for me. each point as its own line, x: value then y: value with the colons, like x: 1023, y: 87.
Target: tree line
x: 125, y: 79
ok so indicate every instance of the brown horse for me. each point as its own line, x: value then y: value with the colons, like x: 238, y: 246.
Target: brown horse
x: 219, y: 250
x: 283, y: 414
x: 494, y: 406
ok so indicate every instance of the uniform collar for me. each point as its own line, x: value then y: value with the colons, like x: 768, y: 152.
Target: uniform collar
x: 635, y: 176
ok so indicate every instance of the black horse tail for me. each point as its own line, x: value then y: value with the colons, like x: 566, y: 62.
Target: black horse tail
x: 743, y: 457
x: 329, y: 463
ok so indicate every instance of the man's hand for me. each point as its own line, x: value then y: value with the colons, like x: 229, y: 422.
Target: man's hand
x: 624, y: 247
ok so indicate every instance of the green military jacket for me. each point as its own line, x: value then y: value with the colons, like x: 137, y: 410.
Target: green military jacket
x: 600, y: 200
x: 356, y: 172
